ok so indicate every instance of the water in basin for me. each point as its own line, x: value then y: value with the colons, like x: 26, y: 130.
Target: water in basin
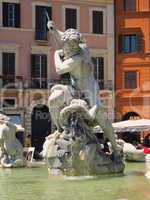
x: 34, y: 184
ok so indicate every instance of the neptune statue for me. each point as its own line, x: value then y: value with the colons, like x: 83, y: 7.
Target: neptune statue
x: 74, y: 148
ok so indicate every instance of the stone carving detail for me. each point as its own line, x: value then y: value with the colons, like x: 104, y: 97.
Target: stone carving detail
x: 76, y: 109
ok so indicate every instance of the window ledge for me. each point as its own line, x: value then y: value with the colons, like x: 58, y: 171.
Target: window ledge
x: 130, y: 89
x: 130, y: 54
x: 45, y: 42
x: 10, y: 27
x: 16, y: 29
x: 95, y: 35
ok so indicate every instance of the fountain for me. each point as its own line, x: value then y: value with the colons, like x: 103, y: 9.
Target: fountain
x: 74, y: 148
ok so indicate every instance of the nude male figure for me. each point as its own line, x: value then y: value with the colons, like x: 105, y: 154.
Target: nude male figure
x: 73, y: 57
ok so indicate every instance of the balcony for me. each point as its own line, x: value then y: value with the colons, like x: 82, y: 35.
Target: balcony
x: 18, y: 82
x: 38, y: 83
x: 11, y: 82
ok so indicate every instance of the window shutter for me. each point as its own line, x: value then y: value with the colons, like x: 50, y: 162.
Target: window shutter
x: 5, y: 14
x: 138, y: 42
x: 101, y: 22
x: 71, y: 18
x: 94, y: 61
x: 98, y: 22
x: 44, y: 66
x: 41, y: 22
x: 12, y: 64
x: 38, y: 18
x: 101, y: 68
x: 8, y: 62
x: 17, y: 15
x: 4, y: 63
x: 33, y: 65
x: 120, y: 43
x: 49, y: 11
x: 41, y: 16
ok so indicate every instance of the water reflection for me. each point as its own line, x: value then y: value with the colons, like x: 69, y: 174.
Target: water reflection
x: 5, y: 172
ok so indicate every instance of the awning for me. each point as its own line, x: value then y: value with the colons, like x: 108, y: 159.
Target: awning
x: 138, y: 125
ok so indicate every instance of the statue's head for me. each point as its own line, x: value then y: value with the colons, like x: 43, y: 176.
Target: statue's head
x: 72, y: 35
x: 71, y: 40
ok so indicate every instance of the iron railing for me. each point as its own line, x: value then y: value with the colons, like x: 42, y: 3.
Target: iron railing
x: 18, y: 82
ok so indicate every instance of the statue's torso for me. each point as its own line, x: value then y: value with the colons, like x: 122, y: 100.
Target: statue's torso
x: 82, y: 74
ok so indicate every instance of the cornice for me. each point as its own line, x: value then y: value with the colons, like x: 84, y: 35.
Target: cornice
x: 90, y: 2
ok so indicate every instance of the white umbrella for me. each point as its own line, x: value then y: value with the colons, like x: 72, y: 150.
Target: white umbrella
x: 129, y: 126
x: 132, y: 125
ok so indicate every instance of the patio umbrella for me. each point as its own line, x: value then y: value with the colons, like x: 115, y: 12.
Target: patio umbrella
x: 128, y: 126
x: 132, y: 125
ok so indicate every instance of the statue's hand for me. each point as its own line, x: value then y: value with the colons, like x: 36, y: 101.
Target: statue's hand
x: 51, y: 26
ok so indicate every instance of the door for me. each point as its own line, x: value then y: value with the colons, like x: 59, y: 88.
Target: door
x: 41, y: 126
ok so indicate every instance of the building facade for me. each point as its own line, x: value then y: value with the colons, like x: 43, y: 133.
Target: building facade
x: 27, y: 69
x: 132, y: 27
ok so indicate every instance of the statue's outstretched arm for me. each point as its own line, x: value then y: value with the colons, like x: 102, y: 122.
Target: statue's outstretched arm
x: 67, y: 65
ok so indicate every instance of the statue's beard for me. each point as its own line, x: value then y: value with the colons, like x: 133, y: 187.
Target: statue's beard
x: 71, y: 50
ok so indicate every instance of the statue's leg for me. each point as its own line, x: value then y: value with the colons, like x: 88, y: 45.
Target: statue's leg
x: 55, y: 107
x: 106, y: 126
x: 58, y: 99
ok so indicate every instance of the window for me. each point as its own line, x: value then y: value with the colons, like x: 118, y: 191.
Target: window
x: 11, y: 15
x: 130, y: 43
x: 130, y: 5
x: 70, y: 18
x: 98, y: 63
x: 9, y: 103
x: 97, y: 22
x: 65, y: 78
x: 8, y: 69
x: 39, y: 71
x: 41, y: 21
x: 130, y: 79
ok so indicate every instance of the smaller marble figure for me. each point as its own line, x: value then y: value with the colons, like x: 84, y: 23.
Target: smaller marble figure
x: 11, y: 150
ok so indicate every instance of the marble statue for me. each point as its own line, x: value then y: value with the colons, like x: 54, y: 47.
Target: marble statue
x: 11, y: 150
x: 75, y: 110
